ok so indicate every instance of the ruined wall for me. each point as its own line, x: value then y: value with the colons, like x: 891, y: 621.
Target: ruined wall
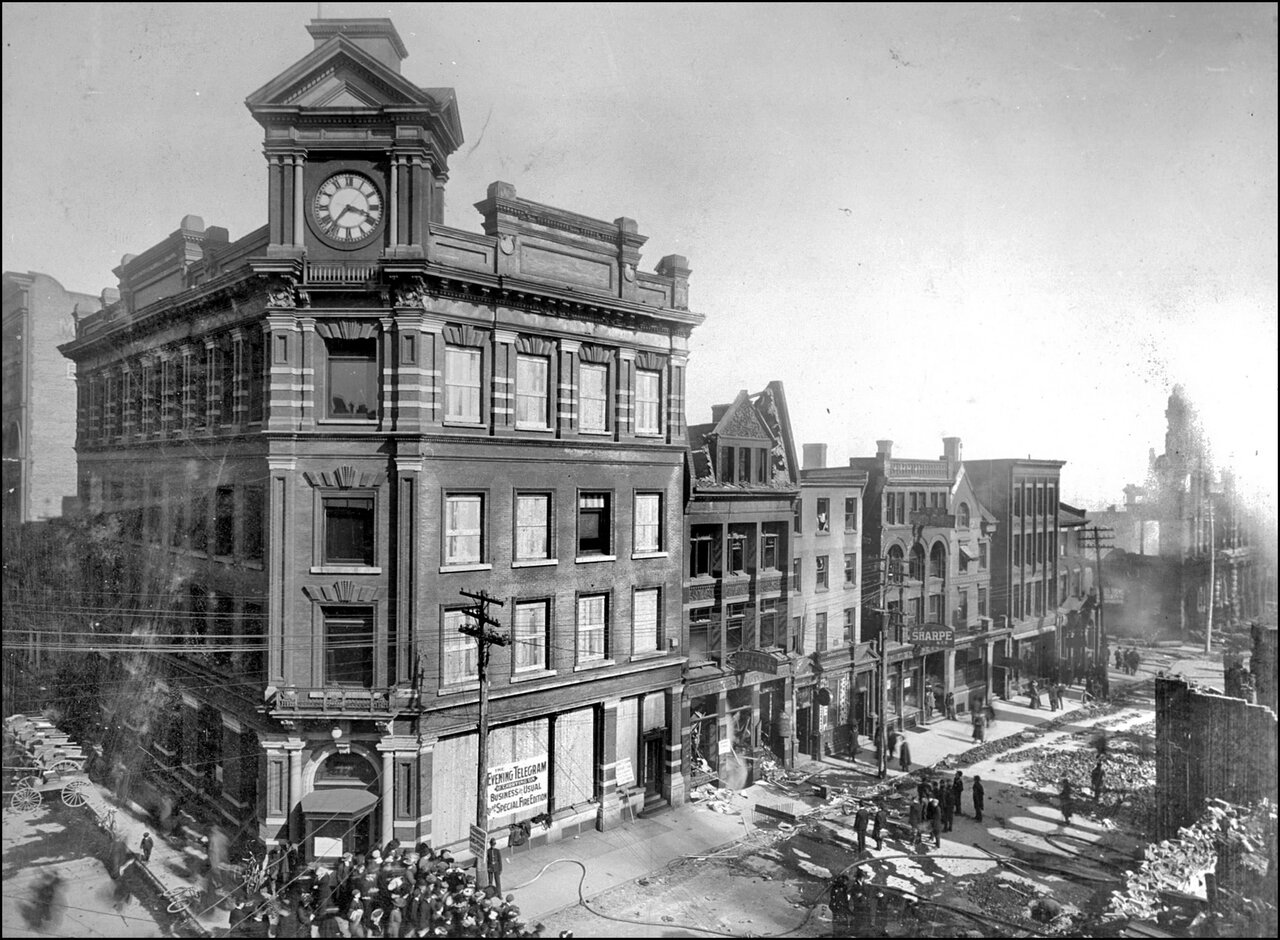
x: 1209, y: 746
x: 1263, y: 664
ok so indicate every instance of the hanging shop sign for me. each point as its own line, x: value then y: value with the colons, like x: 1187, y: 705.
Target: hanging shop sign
x: 517, y: 786
x: 754, y: 661
x: 930, y: 634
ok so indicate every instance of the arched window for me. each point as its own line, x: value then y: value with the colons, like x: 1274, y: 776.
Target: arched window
x: 962, y: 515
x: 938, y: 561
x: 917, y: 563
x: 895, y: 564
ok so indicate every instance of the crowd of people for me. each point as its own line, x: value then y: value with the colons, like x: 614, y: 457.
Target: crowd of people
x: 392, y: 892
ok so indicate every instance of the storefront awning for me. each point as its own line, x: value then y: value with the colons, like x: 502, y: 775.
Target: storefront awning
x: 339, y: 803
x: 969, y: 552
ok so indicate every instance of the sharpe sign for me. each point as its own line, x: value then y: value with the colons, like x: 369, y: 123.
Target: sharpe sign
x: 930, y: 634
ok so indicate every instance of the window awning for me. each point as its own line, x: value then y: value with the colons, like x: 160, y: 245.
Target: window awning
x: 339, y: 803
x: 969, y: 552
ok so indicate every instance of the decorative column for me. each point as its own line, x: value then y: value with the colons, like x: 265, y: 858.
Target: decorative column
x: 426, y: 767
x: 275, y: 189
x: 393, y: 204
x: 388, y: 407
x: 431, y: 335
x: 609, y: 814
x: 386, y: 782
x: 280, y: 572
x: 407, y: 654
x: 213, y: 385
x: 309, y: 407
x: 676, y: 365
x: 294, y: 747
x: 948, y: 673
x: 298, y: 160
x: 624, y: 419
x: 673, y: 780
x: 504, y: 380
x: 240, y: 378
x: 284, y: 363
x: 566, y: 422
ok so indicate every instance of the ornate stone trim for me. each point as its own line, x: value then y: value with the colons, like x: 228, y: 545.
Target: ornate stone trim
x: 535, y: 346
x: 650, y: 362
x: 347, y: 329
x: 343, y: 478
x: 464, y: 335
x: 341, y: 592
x: 599, y: 355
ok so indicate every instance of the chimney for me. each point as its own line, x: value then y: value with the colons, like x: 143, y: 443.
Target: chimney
x: 815, y: 456
x: 374, y: 35
x: 951, y: 451
x: 884, y: 449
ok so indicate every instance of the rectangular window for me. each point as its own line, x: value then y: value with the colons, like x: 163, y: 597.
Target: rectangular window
x: 962, y: 611
x: 726, y: 465
x: 982, y: 555
x: 594, y: 524
x: 531, y: 636
x: 531, y: 391
x: 648, y: 522
x: 1017, y: 501
x: 593, y: 631
x: 737, y: 554
x: 936, y: 614
x: 795, y: 574
x: 917, y: 610
x: 768, y: 624
x: 701, y: 549
x: 797, y: 523
x: 200, y: 523
x: 850, y: 626
x: 227, y: 383
x: 888, y: 509
x: 644, y: 618
x: 1017, y: 551
x: 735, y: 618
x: 253, y: 509
x: 348, y: 648
x: 915, y: 502
x: 982, y: 602
x: 762, y: 465
x: 850, y: 570
x: 699, y: 634
x: 593, y: 397
x: 820, y: 575
x: 851, y: 514
x: 820, y: 627
x: 224, y: 514
x: 769, y: 553
x: 824, y: 515
x: 648, y: 402
x: 352, y: 378
x: 458, y: 654
x: 902, y: 509
x: 463, y: 525
x: 744, y: 464
x: 462, y: 384
x: 257, y: 375
x: 533, y: 526
x: 348, y: 530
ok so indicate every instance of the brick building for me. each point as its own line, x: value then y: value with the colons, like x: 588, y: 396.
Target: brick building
x: 326, y: 429
x: 931, y: 537
x: 828, y: 603
x: 39, y: 417
x: 1022, y: 495
x: 744, y: 662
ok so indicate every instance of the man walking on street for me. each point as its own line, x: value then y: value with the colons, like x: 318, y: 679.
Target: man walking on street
x: 882, y: 822
x: 1068, y: 807
x: 860, y: 827
x: 934, y: 812
x: 951, y: 706
x: 146, y: 845
x: 1033, y: 694
x: 957, y: 788
x: 979, y: 797
x: 1096, y: 779
x: 1117, y: 657
x: 905, y: 757
x: 946, y: 807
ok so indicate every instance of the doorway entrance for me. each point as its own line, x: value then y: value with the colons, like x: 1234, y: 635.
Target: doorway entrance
x: 652, y: 765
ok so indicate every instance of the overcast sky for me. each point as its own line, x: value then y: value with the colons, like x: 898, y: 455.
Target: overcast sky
x: 1019, y: 224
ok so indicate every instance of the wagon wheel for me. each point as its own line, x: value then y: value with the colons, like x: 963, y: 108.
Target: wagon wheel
x: 76, y: 793
x: 25, y: 799
x: 63, y: 768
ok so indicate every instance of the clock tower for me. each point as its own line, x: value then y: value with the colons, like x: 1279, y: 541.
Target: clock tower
x: 357, y: 156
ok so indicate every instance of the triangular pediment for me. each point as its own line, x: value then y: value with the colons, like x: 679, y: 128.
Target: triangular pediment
x: 335, y: 66
x: 742, y: 422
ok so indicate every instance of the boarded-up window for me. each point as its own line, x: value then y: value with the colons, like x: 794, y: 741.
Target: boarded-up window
x: 453, y: 789
x: 574, y: 757
x: 629, y: 732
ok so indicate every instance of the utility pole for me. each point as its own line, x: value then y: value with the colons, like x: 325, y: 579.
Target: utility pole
x: 1096, y: 535
x: 1208, y: 626
x: 486, y: 635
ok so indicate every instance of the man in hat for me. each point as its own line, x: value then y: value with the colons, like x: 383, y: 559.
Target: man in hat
x: 957, y: 789
x: 904, y: 757
x: 860, y: 827
x: 146, y: 846
x: 979, y: 798
x: 1096, y: 778
x: 881, y: 823
x: 493, y: 862
x: 934, y: 813
x: 946, y: 806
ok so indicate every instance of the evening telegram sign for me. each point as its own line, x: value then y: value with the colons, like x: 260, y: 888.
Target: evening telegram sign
x: 518, y: 786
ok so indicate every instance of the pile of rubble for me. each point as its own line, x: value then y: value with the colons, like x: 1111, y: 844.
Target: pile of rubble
x: 718, y: 799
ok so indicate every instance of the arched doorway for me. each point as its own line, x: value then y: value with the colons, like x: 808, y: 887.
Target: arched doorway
x: 338, y: 811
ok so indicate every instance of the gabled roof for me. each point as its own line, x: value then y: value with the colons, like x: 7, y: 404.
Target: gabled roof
x: 340, y: 77
x: 762, y: 417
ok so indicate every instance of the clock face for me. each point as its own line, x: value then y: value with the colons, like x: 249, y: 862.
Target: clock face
x: 347, y: 208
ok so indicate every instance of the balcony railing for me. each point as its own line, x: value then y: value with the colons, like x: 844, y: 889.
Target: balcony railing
x: 735, y: 587
x: 340, y: 272
x: 341, y: 701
